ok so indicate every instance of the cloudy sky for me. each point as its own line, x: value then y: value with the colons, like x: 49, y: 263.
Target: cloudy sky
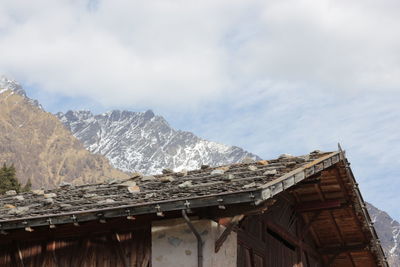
x: 270, y: 76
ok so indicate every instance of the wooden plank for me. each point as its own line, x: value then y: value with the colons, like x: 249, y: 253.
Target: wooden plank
x: 318, y: 205
x: 351, y: 259
x: 336, y: 227
x: 85, y: 245
x: 343, y: 249
x: 220, y: 241
x: 308, y: 226
x: 292, y: 239
x: 16, y: 256
x: 113, y: 240
x: 53, y: 252
x: 332, y: 259
x: 146, y: 258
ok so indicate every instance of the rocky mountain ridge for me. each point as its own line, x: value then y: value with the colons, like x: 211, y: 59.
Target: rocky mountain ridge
x: 144, y: 142
x: 388, y: 231
x: 39, y: 145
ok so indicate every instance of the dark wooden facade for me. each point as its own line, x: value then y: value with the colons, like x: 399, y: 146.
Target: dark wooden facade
x: 92, y: 244
x: 319, y: 222
x: 275, y: 239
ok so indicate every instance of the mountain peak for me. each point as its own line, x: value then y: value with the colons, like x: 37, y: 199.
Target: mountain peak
x: 7, y: 84
x: 144, y: 142
x: 149, y: 114
x: 10, y: 84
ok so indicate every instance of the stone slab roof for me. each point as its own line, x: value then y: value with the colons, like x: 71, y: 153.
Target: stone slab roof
x: 148, y: 194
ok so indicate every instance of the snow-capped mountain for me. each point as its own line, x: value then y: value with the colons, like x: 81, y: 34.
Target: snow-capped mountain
x: 7, y: 84
x: 389, y: 234
x: 144, y: 142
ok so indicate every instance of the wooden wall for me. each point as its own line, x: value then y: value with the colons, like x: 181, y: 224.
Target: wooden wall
x: 110, y: 248
x: 273, y: 239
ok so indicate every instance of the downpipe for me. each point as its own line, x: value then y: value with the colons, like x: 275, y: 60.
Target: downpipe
x: 198, y: 237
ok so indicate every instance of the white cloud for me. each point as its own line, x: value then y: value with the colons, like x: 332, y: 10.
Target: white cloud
x: 166, y: 53
x: 271, y: 76
x: 288, y: 120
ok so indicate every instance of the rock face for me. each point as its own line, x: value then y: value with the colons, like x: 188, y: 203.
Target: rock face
x: 39, y: 145
x: 388, y: 231
x: 144, y: 142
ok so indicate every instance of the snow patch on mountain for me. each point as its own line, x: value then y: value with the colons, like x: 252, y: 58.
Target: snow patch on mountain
x: 389, y: 234
x: 396, y: 233
x: 7, y: 84
x: 144, y: 142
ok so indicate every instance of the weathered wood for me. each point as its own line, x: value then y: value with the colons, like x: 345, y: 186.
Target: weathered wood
x: 292, y: 239
x: 84, y: 250
x: 307, y: 227
x: 146, y: 259
x: 343, y: 249
x: 220, y: 241
x: 117, y: 248
x: 318, y: 205
x: 278, y: 242
x: 331, y: 259
x: 16, y: 256
x: 351, y: 259
x: 90, y: 250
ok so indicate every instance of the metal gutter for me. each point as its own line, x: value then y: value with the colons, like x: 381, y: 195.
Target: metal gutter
x: 247, y: 196
x: 376, y: 242
x: 256, y: 196
x: 198, y: 237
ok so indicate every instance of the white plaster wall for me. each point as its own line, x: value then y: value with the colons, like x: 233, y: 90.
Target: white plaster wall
x: 174, y: 245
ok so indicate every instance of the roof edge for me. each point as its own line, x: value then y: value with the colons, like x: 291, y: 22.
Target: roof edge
x: 289, y: 179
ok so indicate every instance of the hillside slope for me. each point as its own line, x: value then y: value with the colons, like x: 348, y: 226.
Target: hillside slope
x: 39, y: 145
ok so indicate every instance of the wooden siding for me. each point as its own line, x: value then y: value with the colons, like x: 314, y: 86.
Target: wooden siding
x: 316, y: 223
x: 108, y: 249
x: 273, y: 239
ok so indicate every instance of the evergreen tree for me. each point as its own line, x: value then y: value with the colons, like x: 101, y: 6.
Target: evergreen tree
x: 27, y: 187
x: 8, y: 180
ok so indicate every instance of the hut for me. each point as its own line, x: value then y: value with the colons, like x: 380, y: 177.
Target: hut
x: 289, y: 211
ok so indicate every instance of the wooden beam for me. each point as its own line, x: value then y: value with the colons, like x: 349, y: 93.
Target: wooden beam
x: 319, y: 191
x: 343, y: 188
x: 318, y: 205
x: 115, y: 242
x: 330, y: 216
x: 16, y: 255
x: 53, y: 252
x: 292, y: 239
x: 337, y: 228
x: 299, y: 250
x: 306, y: 220
x: 85, y: 246
x: 332, y: 259
x: 307, y: 227
x: 220, y: 241
x: 342, y: 249
x: 351, y: 259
